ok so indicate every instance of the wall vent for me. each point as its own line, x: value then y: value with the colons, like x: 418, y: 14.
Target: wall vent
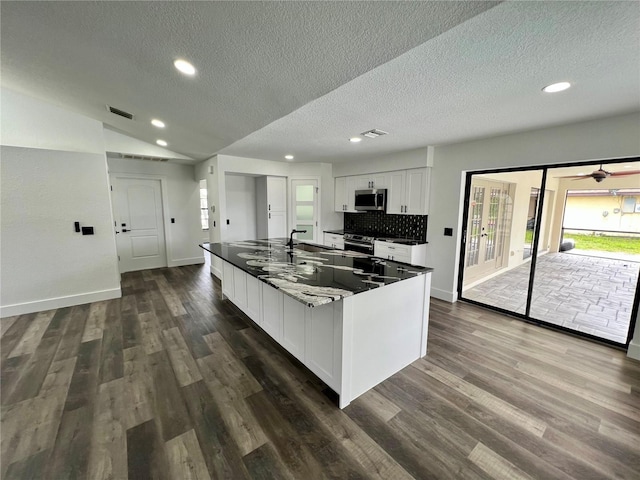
x: 374, y: 133
x: 122, y: 113
x: 143, y: 157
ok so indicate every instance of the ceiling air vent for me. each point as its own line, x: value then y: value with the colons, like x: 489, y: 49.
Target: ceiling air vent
x: 142, y: 157
x: 374, y: 133
x: 122, y: 113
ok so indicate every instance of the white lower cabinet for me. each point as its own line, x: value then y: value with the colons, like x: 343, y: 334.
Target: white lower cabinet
x: 413, y: 254
x: 272, y: 312
x: 254, y: 299
x: 240, y: 288
x: 334, y: 240
x: 227, y: 281
x: 323, y: 355
x: 293, y: 326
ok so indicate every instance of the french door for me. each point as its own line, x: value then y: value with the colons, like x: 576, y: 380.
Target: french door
x: 488, y: 227
x: 304, y: 196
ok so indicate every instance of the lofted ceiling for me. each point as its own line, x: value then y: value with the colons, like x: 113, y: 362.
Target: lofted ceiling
x: 300, y: 78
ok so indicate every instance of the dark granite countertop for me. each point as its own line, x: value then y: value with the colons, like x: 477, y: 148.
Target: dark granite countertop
x: 312, y: 274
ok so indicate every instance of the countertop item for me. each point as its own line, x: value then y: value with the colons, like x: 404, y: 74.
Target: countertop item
x: 312, y: 274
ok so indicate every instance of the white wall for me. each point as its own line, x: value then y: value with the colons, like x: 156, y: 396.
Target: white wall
x: 183, y: 197
x: 241, y: 207
x: 117, y: 142
x: 53, y: 173
x: 418, y: 158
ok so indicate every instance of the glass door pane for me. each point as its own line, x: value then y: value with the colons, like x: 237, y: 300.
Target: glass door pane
x: 496, y: 271
x: 587, y: 280
x: 305, y: 208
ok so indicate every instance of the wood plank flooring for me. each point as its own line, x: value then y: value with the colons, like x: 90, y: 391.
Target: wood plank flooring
x: 171, y: 382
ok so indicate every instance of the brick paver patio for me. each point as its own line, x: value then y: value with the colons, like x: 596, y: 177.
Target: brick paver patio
x: 588, y: 294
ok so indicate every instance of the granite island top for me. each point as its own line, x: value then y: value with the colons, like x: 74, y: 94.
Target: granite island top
x: 312, y: 274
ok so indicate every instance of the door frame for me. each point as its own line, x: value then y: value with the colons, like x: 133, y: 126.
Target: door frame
x: 462, y: 230
x: 291, y: 214
x: 113, y: 176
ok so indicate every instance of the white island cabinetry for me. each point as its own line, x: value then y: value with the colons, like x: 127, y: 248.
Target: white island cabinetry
x: 351, y: 344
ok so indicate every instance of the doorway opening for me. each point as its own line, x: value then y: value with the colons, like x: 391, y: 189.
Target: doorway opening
x: 548, y: 278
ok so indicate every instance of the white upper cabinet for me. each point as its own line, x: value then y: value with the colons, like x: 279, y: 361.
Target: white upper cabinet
x: 271, y: 195
x: 277, y: 194
x: 407, y: 190
x: 408, y: 193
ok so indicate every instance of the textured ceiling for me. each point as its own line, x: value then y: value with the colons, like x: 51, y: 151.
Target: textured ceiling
x: 256, y: 61
x: 302, y: 77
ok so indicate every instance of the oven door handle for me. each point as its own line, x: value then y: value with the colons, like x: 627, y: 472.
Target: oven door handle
x: 363, y: 245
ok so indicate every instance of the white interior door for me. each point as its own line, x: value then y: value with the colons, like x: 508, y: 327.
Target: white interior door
x: 304, y: 196
x: 139, y: 223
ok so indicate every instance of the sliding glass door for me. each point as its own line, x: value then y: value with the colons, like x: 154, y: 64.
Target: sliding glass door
x: 555, y: 246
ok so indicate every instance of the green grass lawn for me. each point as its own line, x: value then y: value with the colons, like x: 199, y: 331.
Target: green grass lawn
x: 605, y: 244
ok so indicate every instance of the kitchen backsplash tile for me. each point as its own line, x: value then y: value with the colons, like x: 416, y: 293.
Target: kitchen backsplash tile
x: 405, y: 226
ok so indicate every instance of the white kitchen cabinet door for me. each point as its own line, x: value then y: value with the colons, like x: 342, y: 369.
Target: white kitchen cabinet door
x: 293, y: 327
x: 340, y: 194
x: 395, y: 192
x: 277, y: 224
x: 276, y: 194
x: 323, y: 332
x: 416, y: 192
x: 254, y: 299
x: 272, y: 311
x: 240, y: 288
x: 227, y: 280
x: 334, y: 240
x: 353, y: 184
x: 380, y: 180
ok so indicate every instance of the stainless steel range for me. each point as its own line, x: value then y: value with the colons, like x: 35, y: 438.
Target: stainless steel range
x: 359, y: 243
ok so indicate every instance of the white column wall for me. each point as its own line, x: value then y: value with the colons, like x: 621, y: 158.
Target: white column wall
x: 53, y: 173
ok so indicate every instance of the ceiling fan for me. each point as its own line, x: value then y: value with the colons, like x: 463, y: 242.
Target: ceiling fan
x: 600, y: 174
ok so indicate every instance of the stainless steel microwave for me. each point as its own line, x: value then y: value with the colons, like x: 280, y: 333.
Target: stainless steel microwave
x: 373, y: 199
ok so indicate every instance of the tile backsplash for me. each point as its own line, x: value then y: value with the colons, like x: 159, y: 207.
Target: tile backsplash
x: 405, y: 226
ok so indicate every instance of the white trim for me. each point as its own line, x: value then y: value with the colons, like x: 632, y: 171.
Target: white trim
x: 166, y: 219
x: 216, y: 272
x: 180, y: 262
x: 59, y: 302
x: 447, y: 296
x: 634, y: 350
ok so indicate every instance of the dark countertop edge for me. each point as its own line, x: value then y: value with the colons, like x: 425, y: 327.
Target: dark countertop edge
x: 248, y: 272
x: 310, y: 305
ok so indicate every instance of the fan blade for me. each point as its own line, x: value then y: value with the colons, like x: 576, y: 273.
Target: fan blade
x: 621, y: 174
x: 576, y: 177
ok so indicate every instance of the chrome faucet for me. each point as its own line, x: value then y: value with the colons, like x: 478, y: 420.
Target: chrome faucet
x: 290, y: 244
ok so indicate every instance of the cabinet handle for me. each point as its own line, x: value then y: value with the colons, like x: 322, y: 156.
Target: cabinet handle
x: 269, y: 215
x: 269, y: 206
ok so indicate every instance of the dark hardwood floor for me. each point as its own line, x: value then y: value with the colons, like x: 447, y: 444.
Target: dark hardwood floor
x: 170, y: 381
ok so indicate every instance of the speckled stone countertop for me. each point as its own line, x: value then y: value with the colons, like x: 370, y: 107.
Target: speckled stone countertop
x: 312, y: 274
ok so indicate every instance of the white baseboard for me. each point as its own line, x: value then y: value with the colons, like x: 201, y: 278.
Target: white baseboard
x: 181, y: 262
x: 58, y: 302
x: 216, y: 271
x: 445, y: 295
x: 634, y: 350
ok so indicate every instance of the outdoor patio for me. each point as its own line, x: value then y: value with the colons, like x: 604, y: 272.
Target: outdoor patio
x: 589, y: 294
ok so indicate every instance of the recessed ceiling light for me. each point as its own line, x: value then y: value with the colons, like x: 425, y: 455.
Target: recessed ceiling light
x: 185, y: 67
x: 355, y: 139
x: 157, y: 123
x: 289, y: 157
x: 556, y: 87
x: 162, y: 143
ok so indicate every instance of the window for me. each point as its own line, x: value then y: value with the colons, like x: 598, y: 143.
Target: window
x: 628, y: 204
x: 204, y: 208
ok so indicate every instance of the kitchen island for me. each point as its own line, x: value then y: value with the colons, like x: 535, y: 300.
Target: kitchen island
x: 352, y: 319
